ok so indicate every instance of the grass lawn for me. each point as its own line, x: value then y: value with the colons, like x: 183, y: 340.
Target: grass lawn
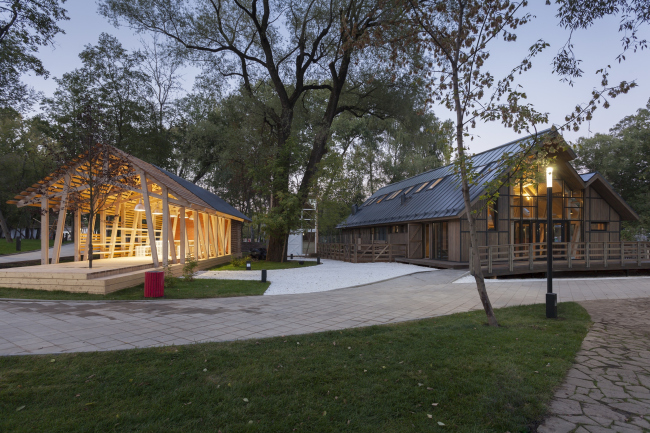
x: 376, y: 379
x: 181, y: 290
x: 259, y: 265
x: 25, y: 245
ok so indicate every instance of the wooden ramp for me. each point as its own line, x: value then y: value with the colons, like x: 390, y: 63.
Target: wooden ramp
x: 106, y: 276
x: 441, y: 264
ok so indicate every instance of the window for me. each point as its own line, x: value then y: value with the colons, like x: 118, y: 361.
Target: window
x: 393, y: 195
x: 598, y: 227
x: 434, y: 183
x: 381, y: 198
x: 380, y: 233
x: 398, y: 228
x: 408, y: 190
x: 371, y: 201
x: 493, y: 215
x: 422, y: 186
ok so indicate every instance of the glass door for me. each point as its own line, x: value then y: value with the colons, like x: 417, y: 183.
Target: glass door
x: 440, y: 241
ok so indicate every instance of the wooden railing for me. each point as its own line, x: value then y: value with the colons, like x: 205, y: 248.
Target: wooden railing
x: 361, y: 253
x: 566, y: 255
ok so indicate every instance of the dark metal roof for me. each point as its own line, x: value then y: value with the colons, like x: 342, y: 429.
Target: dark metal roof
x: 444, y: 200
x: 213, y: 200
x: 585, y: 177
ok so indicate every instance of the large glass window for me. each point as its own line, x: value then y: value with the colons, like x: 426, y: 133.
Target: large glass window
x: 440, y: 241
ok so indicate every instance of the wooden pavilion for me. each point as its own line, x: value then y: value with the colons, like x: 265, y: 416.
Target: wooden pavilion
x: 145, y: 217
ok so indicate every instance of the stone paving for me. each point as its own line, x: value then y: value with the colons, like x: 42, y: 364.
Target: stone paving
x: 608, y: 389
x: 31, y: 326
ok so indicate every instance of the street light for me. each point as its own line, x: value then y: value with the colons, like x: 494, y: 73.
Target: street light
x: 551, y: 298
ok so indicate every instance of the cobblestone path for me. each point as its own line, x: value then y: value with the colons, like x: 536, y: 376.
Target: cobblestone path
x: 608, y: 389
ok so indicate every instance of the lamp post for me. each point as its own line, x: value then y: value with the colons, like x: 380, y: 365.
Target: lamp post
x: 551, y: 298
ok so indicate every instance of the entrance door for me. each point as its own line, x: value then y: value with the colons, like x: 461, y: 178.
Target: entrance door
x: 441, y: 240
x: 427, y: 245
x: 415, y: 241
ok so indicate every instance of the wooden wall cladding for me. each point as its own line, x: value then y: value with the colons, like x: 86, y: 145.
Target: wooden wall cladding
x: 454, y: 240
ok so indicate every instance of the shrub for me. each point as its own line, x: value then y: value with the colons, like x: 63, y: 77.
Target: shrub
x: 238, y: 262
x: 170, y: 281
x: 189, y: 269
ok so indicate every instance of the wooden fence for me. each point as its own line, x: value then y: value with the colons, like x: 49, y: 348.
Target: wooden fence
x: 362, y: 253
x: 522, y: 258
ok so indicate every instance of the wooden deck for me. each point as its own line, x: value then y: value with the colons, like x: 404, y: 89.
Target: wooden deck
x: 106, y: 276
x: 441, y: 264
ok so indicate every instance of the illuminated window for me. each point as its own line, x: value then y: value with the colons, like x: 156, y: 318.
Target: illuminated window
x: 492, y: 215
x: 371, y: 201
x: 434, y: 183
x: 381, y: 198
x: 393, y: 195
x: 598, y: 227
x: 408, y: 190
x: 422, y: 186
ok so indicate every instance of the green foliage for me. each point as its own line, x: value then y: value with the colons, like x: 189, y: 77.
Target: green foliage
x: 238, y: 262
x: 25, y: 26
x: 170, y: 280
x: 622, y: 158
x: 189, y: 268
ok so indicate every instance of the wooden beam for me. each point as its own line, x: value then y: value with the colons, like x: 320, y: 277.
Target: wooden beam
x: 196, y: 235
x: 212, y: 238
x: 77, y: 235
x: 45, y: 231
x: 150, y: 226
x: 165, y: 227
x: 60, y: 223
x: 116, y: 221
x: 206, y: 234
x: 215, y: 234
x: 181, y: 218
x: 172, y: 237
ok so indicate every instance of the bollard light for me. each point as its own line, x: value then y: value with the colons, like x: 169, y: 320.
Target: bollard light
x: 264, y: 275
x: 301, y: 262
x: 318, y: 260
x: 248, y: 265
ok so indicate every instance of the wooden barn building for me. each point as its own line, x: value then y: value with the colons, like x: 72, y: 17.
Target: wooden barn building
x: 422, y: 220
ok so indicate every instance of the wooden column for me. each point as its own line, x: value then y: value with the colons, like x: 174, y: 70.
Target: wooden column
x: 77, y: 235
x: 181, y: 220
x: 45, y: 230
x: 213, y: 239
x: 150, y: 226
x: 196, y: 235
x: 172, y: 237
x: 206, y: 234
x: 60, y: 223
x: 102, y: 230
x: 114, y: 229
x: 165, y: 226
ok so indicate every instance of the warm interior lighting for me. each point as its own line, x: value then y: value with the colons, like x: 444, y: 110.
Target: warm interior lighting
x: 139, y: 207
x: 157, y: 211
x: 549, y: 177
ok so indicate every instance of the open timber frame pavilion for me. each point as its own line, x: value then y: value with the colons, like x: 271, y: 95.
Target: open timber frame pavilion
x: 146, y: 217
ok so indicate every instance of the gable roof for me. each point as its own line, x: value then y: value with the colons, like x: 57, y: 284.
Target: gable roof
x: 212, y: 200
x: 445, y: 200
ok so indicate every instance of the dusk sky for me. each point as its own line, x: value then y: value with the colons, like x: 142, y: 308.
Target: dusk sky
x: 597, y: 47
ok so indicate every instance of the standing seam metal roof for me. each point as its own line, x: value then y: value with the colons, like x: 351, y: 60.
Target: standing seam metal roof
x: 444, y: 200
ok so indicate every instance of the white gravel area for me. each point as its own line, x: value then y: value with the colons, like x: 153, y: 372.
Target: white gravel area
x: 329, y: 275
x: 468, y: 279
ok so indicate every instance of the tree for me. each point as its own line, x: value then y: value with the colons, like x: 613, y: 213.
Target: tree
x: 295, y: 47
x: 457, y: 36
x: 25, y: 26
x: 622, y: 158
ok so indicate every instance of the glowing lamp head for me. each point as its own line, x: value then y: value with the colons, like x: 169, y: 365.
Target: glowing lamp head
x: 139, y: 207
x: 549, y: 177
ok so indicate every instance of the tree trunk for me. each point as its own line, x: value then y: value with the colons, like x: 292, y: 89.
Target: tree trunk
x: 475, y: 262
x: 5, y: 229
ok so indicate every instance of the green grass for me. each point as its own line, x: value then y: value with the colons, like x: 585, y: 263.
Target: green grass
x: 25, y: 245
x: 375, y: 379
x: 181, y: 290
x: 259, y: 265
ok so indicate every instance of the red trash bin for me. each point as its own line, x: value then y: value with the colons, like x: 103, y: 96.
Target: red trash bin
x: 154, y: 284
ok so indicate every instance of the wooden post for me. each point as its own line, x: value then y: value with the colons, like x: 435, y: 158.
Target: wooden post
x: 102, y: 230
x: 196, y: 235
x: 172, y: 238
x: 587, y: 254
x: 490, y: 260
x: 45, y: 229
x: 114, y: 229
x: 511, y: 257
x: 165, y: 226
x: 206, y: 235
x: 622, y: 254
x: 60, y: 223
x: 77, y: 235
x: 605, y: 254
x: 568, y: 255
x: 200, y: 241
x: 530, y: 256
x: 134, y: 230
x: 181, y: 218
x: 638, y: 254
x: 150, y: 226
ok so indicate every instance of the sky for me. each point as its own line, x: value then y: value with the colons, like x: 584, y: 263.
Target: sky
x: 597, y: 47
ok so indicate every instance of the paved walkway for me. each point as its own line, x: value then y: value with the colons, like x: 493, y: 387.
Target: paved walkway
x: 67, y: 250
x: 608, y: 390
x: 28, y: 327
